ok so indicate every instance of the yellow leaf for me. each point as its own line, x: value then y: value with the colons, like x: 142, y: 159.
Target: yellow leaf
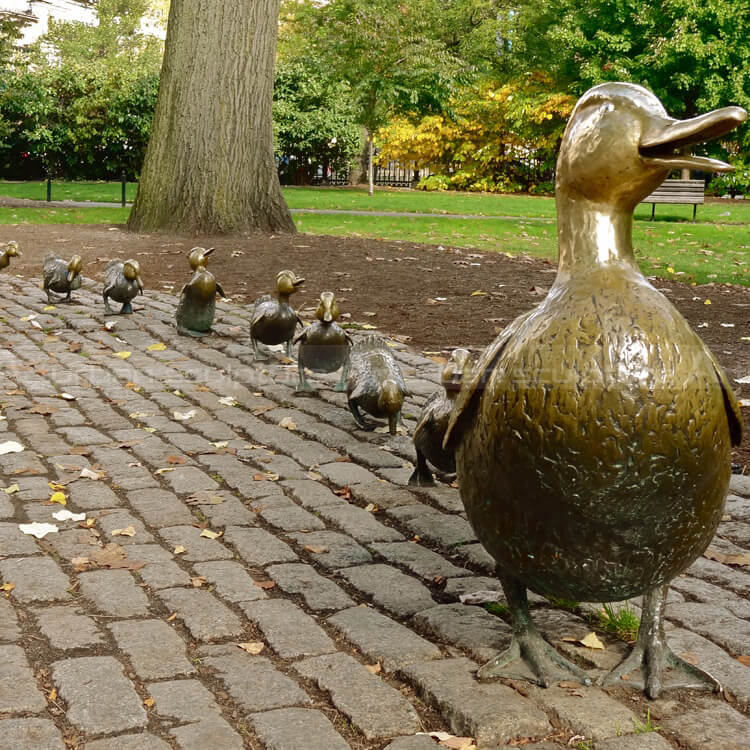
x: 592, y: 641
x: 159, y: 347
x: 6, y: 588
x: 670, y: 269
x: 122, y: 355
x: 252, y: 647
x: 707, y: 302
x: 288, y: 423
x: 13, y: 488
x: 52, y: 694
x: 172, y: 617
x: 50, y: 307
x: 149, y: 702
x: 127, y: 531
x: 179, y: 549
x: 368, y: 327
x: 58, y: 497
x: 149, y: 429
x: 210, y: 534
x: 479, y: 293
x: 373, y: 668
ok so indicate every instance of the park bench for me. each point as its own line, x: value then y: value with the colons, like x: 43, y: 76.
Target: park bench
x: 677, y: 191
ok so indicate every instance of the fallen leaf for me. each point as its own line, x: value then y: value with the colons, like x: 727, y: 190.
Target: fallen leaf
x: 39, y: 530
x: 86, y: 473
x: 172, y: 617
x: 163, y: 471
x: 122, y: 355
x: 314, y: 476
x: 227, y: 401
x: 10, y: 446
x: 66, y: 396
x: 58, y: 497
x: 208, y: 534
x: 316, y: 549
x: 43, y: 409
x: 184, y: 416
x: 288, y: 423
x: 81, y: 450
x: 730, y: 558
x: 592, y: 641
x: 177, y: 460
x: 127, y: 531
x: 6, y: 588
x: 179, y: 549
x: 149, y: 702
x: 264, y: 584
x: 52, y: 694
x: 75, y: 346
x: 742, y: 659
x: 159, y: 347
x: 478, y: 293
x: 198, y: 581
x: 344, y: 493
x: 707, y: 302
x: 374, y: 668
x: 252, y: 647
x: 12, y: 489
x: 371, y: 507
x: 133, y: 387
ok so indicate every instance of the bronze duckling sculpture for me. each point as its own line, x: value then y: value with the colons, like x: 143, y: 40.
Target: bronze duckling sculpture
x: 323, y: 345
x: 433, y: 422
x: 197, y: 306
x: 374, y: 383
x: 593, y: 438
x: 61, y: 276
x: 11, y: 251
x: 122, y: 282
x: 275, y: 320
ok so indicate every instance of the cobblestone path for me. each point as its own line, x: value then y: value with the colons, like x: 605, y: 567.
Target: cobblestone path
x: 121, y: 631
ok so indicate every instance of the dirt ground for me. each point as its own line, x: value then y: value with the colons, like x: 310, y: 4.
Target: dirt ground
x: 425, y: 295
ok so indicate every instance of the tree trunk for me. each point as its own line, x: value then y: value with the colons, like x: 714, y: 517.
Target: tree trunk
x: 209, y: 166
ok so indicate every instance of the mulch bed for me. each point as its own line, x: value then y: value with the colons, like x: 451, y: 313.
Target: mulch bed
x: 420, y: 293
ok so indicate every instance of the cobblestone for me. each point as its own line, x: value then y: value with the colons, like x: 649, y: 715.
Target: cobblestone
x: 203, y: 614
x: 36, y: 579
x: 389, y: 588
x: 114, y: 592
x: 67, y: 628
x: 373, y: 706
x: 318, y: 592
x: 18, y: 690
x: 331, y: 549
x: 101, y: 700
x: 716, y: 727
x: 31, y: 734
x: 231, y: 581
x: 258, y: 547
x: 155, y: 650
x: 297, y: 728
x: 197, y: 547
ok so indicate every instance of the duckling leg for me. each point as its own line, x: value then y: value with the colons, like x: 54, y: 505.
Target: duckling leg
x: 107, y: 308
x: 341, y: 385
x: 303, y: 385
x: 651, y: 660
x: 422, y: 476
x: 359, y: 419
x: 257, y: 357
x: 529, y: 656
x: 289, y: 349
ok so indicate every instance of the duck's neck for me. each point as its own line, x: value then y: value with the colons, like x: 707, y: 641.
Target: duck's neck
x: 592, y: 235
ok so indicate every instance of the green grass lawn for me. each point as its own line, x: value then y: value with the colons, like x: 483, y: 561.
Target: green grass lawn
x: 715, y: 248
x: 110, y: 192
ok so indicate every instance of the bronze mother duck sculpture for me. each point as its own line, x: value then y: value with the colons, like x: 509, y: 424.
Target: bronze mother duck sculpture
x: 323, y: 345
x: 433, y: 422
x: 122, y: 282
x: 374, y: 383
x: 11, y: 251
x: 275, y: 320
x: 61, y: 276
x: 197, y: 306
x: 593, y: 439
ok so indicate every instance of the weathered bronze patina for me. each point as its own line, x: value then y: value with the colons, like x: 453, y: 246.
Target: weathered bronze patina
x: 593, y: 438
x: 11, y: 251
x: 374, y: 383
x: 122, y: 282
x: 433, y: 423
x: 197, y: 306
x: 275, y: 320
x: 324, y: 345
x: 61, y: 276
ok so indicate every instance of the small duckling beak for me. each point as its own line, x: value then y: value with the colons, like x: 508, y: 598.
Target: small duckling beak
x: 298, y: 282
x: 663, y: 138
x: 208, y: 252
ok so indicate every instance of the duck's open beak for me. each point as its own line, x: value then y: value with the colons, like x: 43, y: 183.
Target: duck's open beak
x: 208, y: 252
x: 661, y: 142
x: 298, y: 281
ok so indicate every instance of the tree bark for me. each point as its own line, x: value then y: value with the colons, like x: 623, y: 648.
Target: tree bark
x: 209, y: 166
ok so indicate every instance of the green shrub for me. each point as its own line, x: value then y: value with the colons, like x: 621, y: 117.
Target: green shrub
x: 434, y: 182
x: 733, y: 183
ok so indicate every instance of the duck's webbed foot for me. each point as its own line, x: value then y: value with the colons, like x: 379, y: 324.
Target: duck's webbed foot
x: 340, y: 387
x: 126, y: 309
x: 258, y: 355
x: 529, y: 656
x: 303, y: 386
x: 183, y: 331
x: 652, y: 666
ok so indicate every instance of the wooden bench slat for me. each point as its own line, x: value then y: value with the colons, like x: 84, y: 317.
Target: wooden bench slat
x: 689, y: 192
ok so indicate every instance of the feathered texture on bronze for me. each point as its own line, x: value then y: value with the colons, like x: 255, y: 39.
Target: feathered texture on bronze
x: 61, y: 276
x: 323, y: 345
x: 122, y: 282
x: 275, y: 320
x: 593, y: 439
x: 197, y: 306
x: 433, y: 422
x: 374, y: 383
x: 11, y: 251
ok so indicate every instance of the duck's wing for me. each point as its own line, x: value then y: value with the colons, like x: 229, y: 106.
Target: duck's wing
x: 731, y: 405
x: 220, y: 290
x: 466, y: 402
x: 261, y: 308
